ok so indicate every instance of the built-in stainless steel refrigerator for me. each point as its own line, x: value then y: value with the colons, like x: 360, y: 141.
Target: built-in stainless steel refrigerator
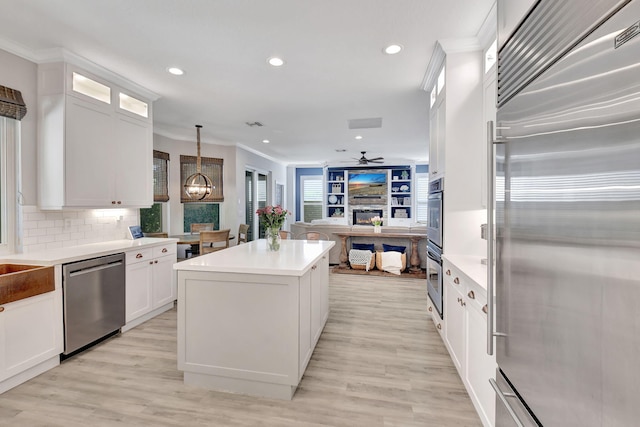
x: 567, y: 218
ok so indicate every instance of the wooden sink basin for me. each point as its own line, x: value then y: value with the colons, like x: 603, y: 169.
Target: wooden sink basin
x: 19, y: 281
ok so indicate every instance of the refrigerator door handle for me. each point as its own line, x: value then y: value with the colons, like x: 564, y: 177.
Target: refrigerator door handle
x: 502, y: 396
x: 490, y: 237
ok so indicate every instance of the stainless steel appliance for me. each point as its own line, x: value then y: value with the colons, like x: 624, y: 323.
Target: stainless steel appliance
x: 94, y: 300
x: 434, y: 276
x: 567, y: 209
x: 434, y: 205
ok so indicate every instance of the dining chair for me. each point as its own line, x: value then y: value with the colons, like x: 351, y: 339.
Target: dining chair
x: 243, y: 231
x: 165, y: 235
x: 312, y: 235
x: 211, y: 241
x: 204, y: 226
x: 286, y: 235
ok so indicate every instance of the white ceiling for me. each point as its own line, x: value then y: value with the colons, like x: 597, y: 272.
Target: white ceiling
x: 335, y: 69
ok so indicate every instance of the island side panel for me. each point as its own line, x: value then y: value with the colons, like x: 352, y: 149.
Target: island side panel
x: 239, y: 326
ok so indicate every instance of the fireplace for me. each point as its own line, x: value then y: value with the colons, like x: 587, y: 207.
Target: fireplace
x: 363, y: 216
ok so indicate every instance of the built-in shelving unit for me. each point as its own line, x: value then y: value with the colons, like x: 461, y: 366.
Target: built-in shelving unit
x: 336, y: 195
x: 397, y: 204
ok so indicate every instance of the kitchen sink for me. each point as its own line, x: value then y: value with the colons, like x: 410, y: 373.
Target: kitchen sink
x: 19, y: 281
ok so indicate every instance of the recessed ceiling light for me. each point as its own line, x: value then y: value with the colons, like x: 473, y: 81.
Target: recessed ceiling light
x: 392, y: 49
x: 175, y: 71
x: 266, y: 141
x: 358, y: 136
x: 275, y: 61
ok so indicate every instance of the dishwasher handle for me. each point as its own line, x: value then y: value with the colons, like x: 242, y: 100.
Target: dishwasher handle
x: 82, y: 271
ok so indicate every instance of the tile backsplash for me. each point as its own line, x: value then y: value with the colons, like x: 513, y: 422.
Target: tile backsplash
x: 43, y: 230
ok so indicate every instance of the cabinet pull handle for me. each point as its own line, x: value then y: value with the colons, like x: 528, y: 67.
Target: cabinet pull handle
x: 155, y: 262
x: 139, y: 256
x: 1, y: 309
x: 485, y: 309
x: 448, y: 273
x: 150, y: 262
x: 113, y: 202
x: 119, y: 202
x: 471, y: 295
x: 439, y: 326
x: 314, y: 267
x: 430, y: 308
x: 462, y: 303
x: 456, y: 281
x: 164, y: 250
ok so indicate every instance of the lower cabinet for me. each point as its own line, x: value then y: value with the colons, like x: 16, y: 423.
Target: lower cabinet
x: 150, y: 281
x: 30, y: 332
x: 437, y: 321
x: 466, y: 338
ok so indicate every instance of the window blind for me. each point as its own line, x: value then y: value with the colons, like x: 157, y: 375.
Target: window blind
x: 422, y: 194
x: 11, y: 103
x: 160, y: 176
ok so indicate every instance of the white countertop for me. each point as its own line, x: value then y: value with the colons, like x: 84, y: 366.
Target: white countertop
x: 80, y: 252
x: 294, y: 258
x: 471, y: 266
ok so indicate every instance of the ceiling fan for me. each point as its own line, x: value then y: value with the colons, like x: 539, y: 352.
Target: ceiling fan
x: 364, y: 161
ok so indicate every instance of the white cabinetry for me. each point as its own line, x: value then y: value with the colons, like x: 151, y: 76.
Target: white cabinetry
x: 92, y: 153
x: 30, y: 335
x: 437, y: 136
x: 466, y: 338
x: 437, y: 321
x: 150, y: 283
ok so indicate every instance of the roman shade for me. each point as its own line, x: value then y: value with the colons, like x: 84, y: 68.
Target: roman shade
x: 11, y: 103
x: 160, y: 176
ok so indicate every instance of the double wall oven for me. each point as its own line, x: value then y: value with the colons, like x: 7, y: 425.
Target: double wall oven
x: 434, y: 243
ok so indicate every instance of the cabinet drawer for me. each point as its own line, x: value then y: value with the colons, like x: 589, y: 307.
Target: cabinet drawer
x: 133, y: 257
x: 164, y: 250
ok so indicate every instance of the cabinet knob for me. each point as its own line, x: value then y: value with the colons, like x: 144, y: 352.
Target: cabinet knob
x: 314, y: 267
x: 430, y: 308
x: 164, y: 250
x: 471, y: 295
x: 485, y: 309
x: 150, y: 262
x: 113, y: 202
x: 456, y: 281
x: 448, y: 273
x: 155, y: 262
x: 119, y: 202
x: 439, y: 326
x: 138, y: 255
x: 1, y: 309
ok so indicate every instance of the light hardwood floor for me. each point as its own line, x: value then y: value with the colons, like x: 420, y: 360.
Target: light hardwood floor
x: 379, y: 362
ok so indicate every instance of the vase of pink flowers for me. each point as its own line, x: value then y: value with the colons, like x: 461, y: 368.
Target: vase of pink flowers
x: 377, y: 224
x: 272, y: 218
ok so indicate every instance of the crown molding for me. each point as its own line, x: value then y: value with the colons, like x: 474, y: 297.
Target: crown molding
x: 488, y: 31
x: 433, y: 69
x: 258, y: 153
x: 62, y: 55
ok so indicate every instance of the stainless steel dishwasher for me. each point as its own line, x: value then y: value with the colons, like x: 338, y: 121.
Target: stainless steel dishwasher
x: 94, y: 300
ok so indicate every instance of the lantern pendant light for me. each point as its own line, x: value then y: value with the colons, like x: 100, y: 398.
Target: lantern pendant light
x: 198, y: 186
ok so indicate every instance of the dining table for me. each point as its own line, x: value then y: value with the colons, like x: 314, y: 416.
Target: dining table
x: 192, y: 238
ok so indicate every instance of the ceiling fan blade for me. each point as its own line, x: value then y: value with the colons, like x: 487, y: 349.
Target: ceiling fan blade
x: 376, y: 158
x: 376, y: 161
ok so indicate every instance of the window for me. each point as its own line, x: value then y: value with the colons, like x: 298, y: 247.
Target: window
x: 133, y: 105
x: 198, y: 213
x: 212, y: 168
x: 151, y: 219
x: 422, y: 194
x: 311, y: 191
x: 9, y: 144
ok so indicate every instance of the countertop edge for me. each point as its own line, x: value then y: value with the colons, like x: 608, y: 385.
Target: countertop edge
x: 470, y: 266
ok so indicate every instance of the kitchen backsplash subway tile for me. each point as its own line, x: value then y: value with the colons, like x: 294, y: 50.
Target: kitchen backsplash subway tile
x: 43, y: 230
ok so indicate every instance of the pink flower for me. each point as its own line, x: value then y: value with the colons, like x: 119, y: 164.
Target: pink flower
x: 278, y: 210
x: 268, y: 210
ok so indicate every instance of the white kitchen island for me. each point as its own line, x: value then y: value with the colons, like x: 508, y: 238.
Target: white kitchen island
x: 249, y: 319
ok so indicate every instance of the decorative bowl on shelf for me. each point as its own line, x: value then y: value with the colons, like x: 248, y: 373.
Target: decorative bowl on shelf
x: 333, y: 199
x: 404, y: 188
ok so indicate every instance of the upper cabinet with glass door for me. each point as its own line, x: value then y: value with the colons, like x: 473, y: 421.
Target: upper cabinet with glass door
x: 95, y: 141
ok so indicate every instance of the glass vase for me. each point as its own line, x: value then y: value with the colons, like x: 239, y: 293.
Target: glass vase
x: 377, y: 229
x: 272, y: 234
